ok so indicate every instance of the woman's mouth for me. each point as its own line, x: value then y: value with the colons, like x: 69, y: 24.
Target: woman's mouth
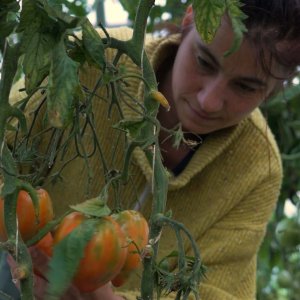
x: 200, y: 114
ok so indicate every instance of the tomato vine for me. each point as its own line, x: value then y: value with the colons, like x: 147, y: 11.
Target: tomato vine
x: 43, y: 38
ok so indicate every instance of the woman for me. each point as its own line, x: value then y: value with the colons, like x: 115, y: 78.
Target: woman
x: 228, y: 184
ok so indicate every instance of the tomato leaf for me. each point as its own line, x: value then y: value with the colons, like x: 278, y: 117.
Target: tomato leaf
x: 208, y: 14
x: 37, y: 59
x: 92, y: 43
x: 54, y: 11
x: 29, y: 17
x: 62, y: 88
x: 178, y: 137
x: 8, y: 16
x: 93, y: 207
x: 66, y: 258
x: 36, y: 43
x: 132, y: 127
x: 237, y: 17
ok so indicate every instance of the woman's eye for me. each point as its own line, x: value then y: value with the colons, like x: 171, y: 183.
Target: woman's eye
x: 245, y: 88
x: 204, y: 64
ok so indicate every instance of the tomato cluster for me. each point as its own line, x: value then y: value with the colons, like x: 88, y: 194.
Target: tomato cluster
x: 104, y: 254
x: 112, y: 253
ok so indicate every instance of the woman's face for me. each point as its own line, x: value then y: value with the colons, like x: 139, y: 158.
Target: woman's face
x: 211, y: 92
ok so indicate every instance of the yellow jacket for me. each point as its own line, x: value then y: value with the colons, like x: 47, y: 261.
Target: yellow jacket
x: 224, y: 196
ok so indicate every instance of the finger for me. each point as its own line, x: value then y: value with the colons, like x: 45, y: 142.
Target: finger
x: 39, y: 261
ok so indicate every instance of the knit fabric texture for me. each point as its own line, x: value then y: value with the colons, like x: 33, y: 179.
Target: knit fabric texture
x: 224, y: 196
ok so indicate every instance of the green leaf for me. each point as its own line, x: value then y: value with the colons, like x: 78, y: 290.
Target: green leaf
x: 55, y: 12
x: 66, y: 258
x: 285, y: 96
x: 95, y: 207
x: 131, y: 7
x: 29, y: 17
x: 178, y: 137
x: 62, y: 88
x: 75, y: 7
x: 6, y: 27
x: 237, y: 17
x: 37, y: 59
x: 208, y: 14
x: 6, y: 2
x: 132, y: 127
x: 9, y: 171
x: 92, y: 43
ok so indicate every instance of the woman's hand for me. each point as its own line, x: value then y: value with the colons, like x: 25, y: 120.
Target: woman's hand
x: 40, y: 265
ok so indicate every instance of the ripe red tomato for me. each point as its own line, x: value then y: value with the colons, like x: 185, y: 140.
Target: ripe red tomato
x: 46, y: 244
x: 104, y: 255
x: 27, y: 221
x: 136, y: 229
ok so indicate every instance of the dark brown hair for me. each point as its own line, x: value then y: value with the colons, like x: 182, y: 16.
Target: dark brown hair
x: 274, y: 26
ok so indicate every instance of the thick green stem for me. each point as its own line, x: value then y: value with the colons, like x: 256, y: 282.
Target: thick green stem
x: 20, y: 252
x: 9, y: 68
x: 160, y: 180
x: 140, y: 24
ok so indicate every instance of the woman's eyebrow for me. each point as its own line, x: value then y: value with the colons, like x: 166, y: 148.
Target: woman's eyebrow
x: 208, y: 53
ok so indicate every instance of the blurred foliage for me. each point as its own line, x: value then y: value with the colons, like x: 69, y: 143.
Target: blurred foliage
x: 73, y: 7
x: 278, y: 275
x: 172, y: 12
x: 278, y: 260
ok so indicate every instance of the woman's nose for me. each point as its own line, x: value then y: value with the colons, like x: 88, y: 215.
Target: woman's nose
x: 211, y: 97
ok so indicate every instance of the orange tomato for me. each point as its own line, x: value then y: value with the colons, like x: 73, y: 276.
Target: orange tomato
x: 27, y: 222
x: 46, y: 244
x: 104, y: 254
x: 136, y: 229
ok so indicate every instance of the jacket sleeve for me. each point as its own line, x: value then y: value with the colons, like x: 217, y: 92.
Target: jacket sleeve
x: 230, y: 247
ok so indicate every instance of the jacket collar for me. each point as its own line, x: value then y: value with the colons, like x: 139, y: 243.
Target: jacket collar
x: 214, y: 144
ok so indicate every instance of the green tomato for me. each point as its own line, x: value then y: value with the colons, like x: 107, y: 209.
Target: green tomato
x: 288, y: 233
x: 284, y: 279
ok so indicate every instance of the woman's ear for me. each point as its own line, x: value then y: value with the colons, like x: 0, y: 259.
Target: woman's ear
x: 188, y: 18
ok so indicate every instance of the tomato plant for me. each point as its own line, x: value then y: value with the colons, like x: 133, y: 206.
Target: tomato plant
x: 104, y: 255
x: 28, y: 223
x: 136, y: 229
